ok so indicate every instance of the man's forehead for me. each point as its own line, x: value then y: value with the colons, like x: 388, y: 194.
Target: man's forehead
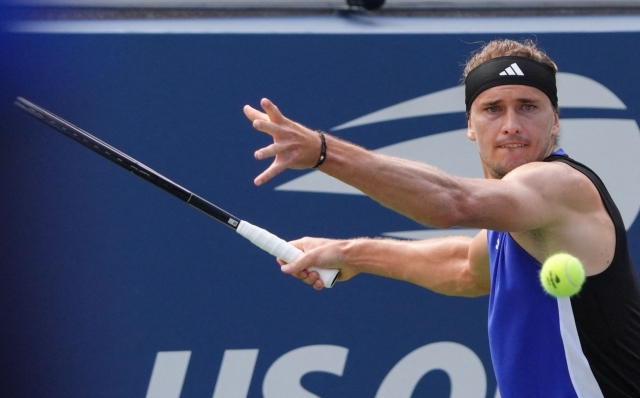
x: 510, y: 92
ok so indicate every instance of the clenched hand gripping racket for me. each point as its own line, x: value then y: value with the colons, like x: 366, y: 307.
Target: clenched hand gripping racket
x: 258, y: 236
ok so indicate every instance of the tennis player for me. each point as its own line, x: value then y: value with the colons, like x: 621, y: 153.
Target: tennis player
x: 535, y: 201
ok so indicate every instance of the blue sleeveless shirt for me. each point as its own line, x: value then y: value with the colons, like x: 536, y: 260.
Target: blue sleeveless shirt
x: 527, y: 347
x: 546, y: 347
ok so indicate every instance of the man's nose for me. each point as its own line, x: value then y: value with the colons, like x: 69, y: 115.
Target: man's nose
x: 512, y: 123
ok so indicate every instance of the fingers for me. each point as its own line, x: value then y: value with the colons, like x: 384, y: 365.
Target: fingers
x: 295, y: 268
x: 272, y: 171
x: 272, y: 111
x: 294, y: 146
x: 314, y: 256
x: 254, y: 114
x: 301, y: 265
x: 267, y: 152
x: 311, y: 278
x: 266, y: 126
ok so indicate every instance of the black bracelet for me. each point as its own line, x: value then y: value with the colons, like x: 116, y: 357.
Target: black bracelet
x: 323, y: 150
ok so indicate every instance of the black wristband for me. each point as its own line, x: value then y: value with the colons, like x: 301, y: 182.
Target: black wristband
x: 323, y: 150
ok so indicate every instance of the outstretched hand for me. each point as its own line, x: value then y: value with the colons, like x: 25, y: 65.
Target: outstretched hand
x: 294, y: 146
x: 321, y: 253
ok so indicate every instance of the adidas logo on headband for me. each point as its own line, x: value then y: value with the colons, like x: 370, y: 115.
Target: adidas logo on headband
x: 512, y: 70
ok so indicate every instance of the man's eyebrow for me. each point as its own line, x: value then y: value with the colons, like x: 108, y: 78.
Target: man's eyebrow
x: 491, y: 103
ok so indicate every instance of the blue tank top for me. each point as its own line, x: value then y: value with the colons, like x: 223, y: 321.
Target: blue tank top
x: 535, y: 345
x: 527, y: 348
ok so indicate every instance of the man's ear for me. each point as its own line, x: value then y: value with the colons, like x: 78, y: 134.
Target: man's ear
x: 556, y: 125
x: 471, y: 134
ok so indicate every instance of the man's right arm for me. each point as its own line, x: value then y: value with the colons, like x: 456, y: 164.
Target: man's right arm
x: 456, y: 266
x: 396, y: 183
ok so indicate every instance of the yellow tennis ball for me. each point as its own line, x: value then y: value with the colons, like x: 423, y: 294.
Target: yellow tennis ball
x: 562, y: 275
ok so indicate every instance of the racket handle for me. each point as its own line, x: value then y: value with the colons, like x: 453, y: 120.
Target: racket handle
x: 281, y: 249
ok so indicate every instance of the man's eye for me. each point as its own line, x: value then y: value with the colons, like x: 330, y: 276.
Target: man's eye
x: 492, y: 109
x: 528, y: 107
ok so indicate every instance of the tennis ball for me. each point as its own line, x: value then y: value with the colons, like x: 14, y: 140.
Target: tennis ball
x: 562, y: 275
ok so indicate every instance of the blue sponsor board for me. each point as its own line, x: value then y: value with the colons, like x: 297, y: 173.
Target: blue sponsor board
x: 112, y: 288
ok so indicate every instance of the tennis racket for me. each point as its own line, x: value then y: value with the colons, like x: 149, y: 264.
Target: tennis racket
x: 258, y: 236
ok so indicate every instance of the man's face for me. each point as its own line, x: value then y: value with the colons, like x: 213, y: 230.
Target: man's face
x: 512, y: 125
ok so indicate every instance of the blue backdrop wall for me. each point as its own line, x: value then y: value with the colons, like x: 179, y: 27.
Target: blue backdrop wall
x: 105, y: 280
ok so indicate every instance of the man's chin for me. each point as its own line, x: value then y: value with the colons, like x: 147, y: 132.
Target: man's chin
x: 501, y: 170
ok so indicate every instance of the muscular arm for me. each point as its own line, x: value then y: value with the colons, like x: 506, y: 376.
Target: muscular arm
x: 530, y: 197
x: 456, y: 266
x: 416, y: 190
x: 547, y: 207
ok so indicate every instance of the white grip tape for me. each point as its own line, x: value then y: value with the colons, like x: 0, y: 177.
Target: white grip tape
x: 281, y: 249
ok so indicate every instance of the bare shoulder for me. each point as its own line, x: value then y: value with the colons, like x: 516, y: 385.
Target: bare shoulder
x: 547, y: 173
x: 559, y: 183
x: 582, y: 224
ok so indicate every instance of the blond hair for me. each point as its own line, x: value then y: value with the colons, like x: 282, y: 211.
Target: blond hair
x: 506, y: 48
